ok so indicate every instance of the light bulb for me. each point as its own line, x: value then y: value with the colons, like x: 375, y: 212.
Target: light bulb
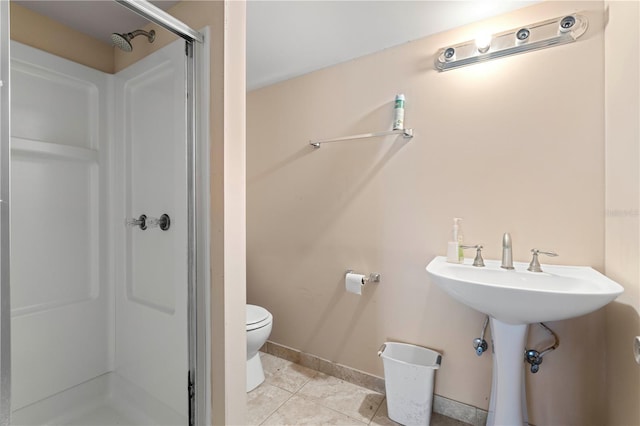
x: 483, y: 43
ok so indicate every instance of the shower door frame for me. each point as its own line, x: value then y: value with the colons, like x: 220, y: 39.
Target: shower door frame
x: 5, y: 227
x: 196, y: 390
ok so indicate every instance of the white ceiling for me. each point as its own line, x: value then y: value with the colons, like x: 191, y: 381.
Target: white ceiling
x: 97, y: 18
x: 290, y: 38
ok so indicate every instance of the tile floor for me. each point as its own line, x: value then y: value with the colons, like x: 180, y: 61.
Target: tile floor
x: 295, y: 395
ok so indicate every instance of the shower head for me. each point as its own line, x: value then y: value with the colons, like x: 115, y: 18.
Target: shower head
x: 123, y: 41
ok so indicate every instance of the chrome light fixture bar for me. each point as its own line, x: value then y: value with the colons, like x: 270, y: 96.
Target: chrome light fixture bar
x: 540, y: 35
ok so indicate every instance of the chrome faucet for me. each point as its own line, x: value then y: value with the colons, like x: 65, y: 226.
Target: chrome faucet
x: 507, y: 256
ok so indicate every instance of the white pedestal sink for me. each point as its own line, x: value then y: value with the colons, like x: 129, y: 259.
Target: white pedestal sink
x: 513, y: 299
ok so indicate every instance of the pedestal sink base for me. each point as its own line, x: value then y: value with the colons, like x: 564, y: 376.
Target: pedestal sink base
x: 508, y: 406
x: 517, y: 298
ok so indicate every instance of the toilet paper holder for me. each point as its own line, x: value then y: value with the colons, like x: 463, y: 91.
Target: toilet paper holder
x: 371, y: 278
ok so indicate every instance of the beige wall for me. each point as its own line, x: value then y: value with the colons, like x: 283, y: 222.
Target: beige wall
x: 43, y: 33
x: 622, y: 222
x: 226, y: 20
x: 514, y: 145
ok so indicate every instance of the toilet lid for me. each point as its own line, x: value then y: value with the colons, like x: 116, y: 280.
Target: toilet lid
x: 256, y: 314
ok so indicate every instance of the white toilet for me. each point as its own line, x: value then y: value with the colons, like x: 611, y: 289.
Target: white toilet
x: 259, y: 322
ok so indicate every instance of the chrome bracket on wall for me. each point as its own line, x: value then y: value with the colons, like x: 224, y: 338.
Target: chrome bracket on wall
x: 552, y: 32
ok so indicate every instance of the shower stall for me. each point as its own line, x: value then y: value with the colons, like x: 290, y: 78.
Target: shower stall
x: 108, y: 321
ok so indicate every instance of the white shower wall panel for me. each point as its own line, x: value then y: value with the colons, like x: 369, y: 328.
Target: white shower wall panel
x: 61, y: 321
x: 56, y: 107
x: 55, y: 258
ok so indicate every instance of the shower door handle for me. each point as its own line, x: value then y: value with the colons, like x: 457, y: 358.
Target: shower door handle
x: 144, y: 222
x: 163, y: 222
x: 141, y: 222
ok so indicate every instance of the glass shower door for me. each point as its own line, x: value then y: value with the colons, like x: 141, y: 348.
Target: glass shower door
x: 151, y: 289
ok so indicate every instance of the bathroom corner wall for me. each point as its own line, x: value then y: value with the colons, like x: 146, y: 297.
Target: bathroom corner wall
x: 622, y: 222
x: 515, y: 144
x: 43, y: 33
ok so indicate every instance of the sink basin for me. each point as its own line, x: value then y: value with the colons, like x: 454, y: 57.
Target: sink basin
x: 522, y: 297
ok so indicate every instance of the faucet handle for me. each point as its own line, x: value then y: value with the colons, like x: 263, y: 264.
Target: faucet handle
x: 548, y: 253
x: 534, y: 266
x: 478, y: 261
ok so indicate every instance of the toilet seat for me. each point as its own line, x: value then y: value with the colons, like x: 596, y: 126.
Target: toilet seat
x: 257, y: 317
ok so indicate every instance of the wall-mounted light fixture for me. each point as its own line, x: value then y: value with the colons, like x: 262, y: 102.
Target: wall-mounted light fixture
x: 552, y: 32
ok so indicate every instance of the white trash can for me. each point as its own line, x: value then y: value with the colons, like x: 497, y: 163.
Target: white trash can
x: 408, y: 378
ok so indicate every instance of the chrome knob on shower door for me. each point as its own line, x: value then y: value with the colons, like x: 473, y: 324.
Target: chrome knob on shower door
x: 165, y: 222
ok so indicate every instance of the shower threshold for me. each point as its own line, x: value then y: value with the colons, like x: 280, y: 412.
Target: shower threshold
x: 108, y: 399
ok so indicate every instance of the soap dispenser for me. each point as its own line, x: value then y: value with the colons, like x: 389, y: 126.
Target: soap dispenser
x: 454, y: 248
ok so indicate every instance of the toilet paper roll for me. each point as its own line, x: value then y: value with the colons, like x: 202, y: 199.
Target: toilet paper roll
x: 354, y: 283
